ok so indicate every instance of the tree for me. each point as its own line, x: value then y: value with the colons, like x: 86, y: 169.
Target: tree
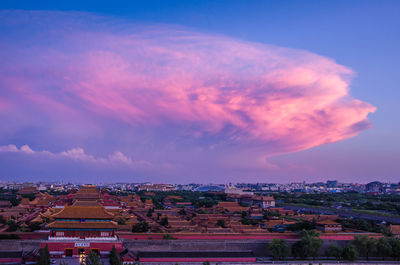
x: 206, y: 262
x: 309, y: 244
x: 182, y: 211
x: 164, y: 221
x: 150, y: 212
x: 35, y: 226
x: 360, y: 242
x: 93, y: 259
x: 383, y: 248
x: 334, y: 250
x: 279, y: 248
x: 44, y: 256
x: 365, y: 245
x: 114, y: 257
x: 395, y: 245
x: 12, y: 226
x: 350, y: 252
x: 168, y: 237
x: 221, y: 223
x: 306, y: 225
x: 297, y: 250
x: 121, y: 221
x: 141, y: 227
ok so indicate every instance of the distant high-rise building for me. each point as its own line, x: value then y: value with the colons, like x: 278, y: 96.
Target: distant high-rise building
x: 332, y: 183
x: 374, y: 187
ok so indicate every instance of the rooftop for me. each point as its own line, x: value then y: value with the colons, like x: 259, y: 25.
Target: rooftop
x: 83, y: 212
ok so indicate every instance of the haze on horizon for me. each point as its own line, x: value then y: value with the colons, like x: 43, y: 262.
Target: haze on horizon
x: 139, y: 93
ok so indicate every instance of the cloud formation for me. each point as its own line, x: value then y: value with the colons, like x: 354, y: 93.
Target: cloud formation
x: 69, y: 68
x: 77, y: 154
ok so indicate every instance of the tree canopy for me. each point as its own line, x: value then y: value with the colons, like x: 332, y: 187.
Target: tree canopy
x: 279, y: 248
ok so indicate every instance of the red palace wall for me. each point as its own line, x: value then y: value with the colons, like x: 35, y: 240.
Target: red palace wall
x: 87, y: 246
x: 266, y: 236
x: 197, y: 259
x: 10, y: 260
x: 27, y: 235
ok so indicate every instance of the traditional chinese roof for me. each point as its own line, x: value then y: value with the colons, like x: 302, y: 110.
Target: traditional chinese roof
x: 83, y: 212
x: 49, y: 212
x: 232, y: 206
x: 37, y: 219
x: 85, y: 203
x: 171, y: 197
x: 395, y: 229
x: 88, y: 192
x: 39, y: 202
x: 268, y: 198
x: 82, y: 225
x: 28, y: 190
x: 5, y: 204
x: 24, y: 201
x: 327, y: 222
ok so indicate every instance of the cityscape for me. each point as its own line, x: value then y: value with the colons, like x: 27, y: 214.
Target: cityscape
x: 131, y: 219
x: 199, y: 132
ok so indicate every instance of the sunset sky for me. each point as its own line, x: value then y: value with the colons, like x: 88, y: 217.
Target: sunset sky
x: 200, y: 91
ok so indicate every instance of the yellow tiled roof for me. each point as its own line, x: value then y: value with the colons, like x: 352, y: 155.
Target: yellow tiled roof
x: 79, y: 225
x: 87, y: 212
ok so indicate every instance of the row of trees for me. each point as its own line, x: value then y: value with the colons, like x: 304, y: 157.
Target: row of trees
x: 310, y: 244
x: 385, y: 202
x: 383, y: 247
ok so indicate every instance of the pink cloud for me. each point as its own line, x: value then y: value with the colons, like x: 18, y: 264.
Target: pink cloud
x: 282, y: 99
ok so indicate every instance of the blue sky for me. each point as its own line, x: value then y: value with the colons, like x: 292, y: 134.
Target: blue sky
x: 361, y: 35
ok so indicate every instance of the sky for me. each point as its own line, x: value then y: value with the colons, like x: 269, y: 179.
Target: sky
x: 199, y: 91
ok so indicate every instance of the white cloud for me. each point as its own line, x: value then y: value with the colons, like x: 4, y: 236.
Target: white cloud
x: 77, y: 154
x: 120, y: 157
x: 9, y: 148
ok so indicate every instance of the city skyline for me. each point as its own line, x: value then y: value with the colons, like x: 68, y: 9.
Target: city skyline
x: 200, y: 92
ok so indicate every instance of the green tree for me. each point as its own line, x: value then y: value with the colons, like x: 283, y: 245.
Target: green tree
x: 93, y: 259
x: 168, y: 237
x: 35, y: 226
x: 306, y: 225
x: 311, y: 243
x: 114, y: 257
x: 164, y: 221
x: 141, y: 227
x: 334, y: 250
x: 206, y: 262
x: 44, y: 256
x: 350, y: 252
x: 221, y: 223
x: 121, y: 221
x: 383, y: 248
x: 395, y: 245
x: 279, y: 248
x: 182, y: 211
x: 12, y: 226
x: 298, y: 250
x: 150, y: 212
x: 365, y: 245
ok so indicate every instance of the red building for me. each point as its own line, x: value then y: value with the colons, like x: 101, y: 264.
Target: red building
x: 83, y: 227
